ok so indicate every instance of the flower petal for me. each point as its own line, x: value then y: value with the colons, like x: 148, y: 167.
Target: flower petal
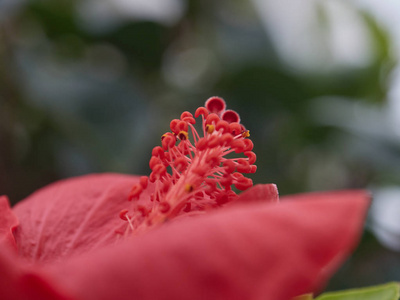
x: 17, y: 282
x: 72, y: 216
x: 8, y: 223
x: 257, y: 251
x: 9, y: 288
x: 260, y: 192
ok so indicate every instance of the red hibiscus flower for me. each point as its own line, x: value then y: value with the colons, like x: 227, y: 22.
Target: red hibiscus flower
x: 185, y: 234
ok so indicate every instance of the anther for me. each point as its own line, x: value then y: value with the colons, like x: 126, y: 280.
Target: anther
x: 213, y: 141
x: 159, y: 170
x: 229, y: 166
x: 226, y: 180
x: 187, y: 207
x: 235, y: 128
x: 153, y: 162
x: 226, y: 139
x: 211, y: 184
x: 168, y: 140
x: 181, y: 126
x: 248, y: 145
x: 135, y: 192
x: 186, y: 114
x: 180, y: 164
x: 201, y: 111
x: 213, y: 159
x: 188, y: 117
x: 201, y: 144
x: 123, y: 214
x: 183, y: 135
x: 164, y: 207
x: 212, y: 119
x: 152, y: 179
x: 252, y: 156
x: 201, y: 170
x: 246, y: 134
x: 188, y: 187
x: 144, y: 180
x: 172, y: 125
x: 238, y: 146
x: 243, y: 166
x: 222, y: 126
x: 243, y: 184
x: 158, y: 152
x: 143, y: 210
x: 189, y: 120
x: 210, y: 128
x: 166, y: 186
x: 237, y: 175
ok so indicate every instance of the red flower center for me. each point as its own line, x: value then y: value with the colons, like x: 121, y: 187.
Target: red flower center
x: 194, y: 173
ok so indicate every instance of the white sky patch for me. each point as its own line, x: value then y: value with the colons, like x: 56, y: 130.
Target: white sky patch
x: 309, y: 42
x: 388, y: 15
x: 385, y: 213
x: 304, y: 43
x: 100, y: 15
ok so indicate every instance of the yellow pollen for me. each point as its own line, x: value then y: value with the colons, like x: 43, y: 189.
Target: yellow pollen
x: 183, y: 135
x: 210, y: 128
x: 246, y: 134
x: 188, y: 187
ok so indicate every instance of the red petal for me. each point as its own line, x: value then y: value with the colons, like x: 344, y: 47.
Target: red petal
x: 257, y: 251
x: 9, y: 288
x: 8, y: 224
x: 260, y: 192
x: 17, y: 282
x: 72, y: 216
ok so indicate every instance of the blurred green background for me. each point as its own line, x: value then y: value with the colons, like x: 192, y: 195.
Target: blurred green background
x: 91, y: 85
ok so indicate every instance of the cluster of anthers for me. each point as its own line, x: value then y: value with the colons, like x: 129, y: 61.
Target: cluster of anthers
x: 193, y: 174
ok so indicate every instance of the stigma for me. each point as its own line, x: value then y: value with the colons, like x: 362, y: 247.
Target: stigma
x: 194, y: 170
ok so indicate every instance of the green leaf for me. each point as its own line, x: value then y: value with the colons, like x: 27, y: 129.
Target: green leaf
x: 389, y: 291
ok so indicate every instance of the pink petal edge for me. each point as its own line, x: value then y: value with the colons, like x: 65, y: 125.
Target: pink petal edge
x: 260, y: 192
